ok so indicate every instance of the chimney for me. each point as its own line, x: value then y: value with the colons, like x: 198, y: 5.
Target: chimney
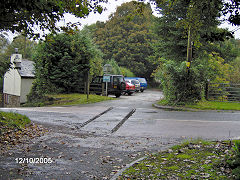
x: 16, y: 59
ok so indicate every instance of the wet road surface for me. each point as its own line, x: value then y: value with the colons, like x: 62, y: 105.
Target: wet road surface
x: 95, y: 140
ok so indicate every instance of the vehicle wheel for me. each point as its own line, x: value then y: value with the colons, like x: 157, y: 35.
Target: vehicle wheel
x: 142, y: 90
x: 122, y: 86
x: 98, y: 93
x: 130, y: 93
x: 118, y: 95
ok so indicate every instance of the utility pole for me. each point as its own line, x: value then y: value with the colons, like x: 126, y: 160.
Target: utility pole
x: 88, y: 85
x: 189, y: 49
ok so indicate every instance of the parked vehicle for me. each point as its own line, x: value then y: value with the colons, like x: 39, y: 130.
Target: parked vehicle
x: 130, y: 88
x: 143, y: 82
x: 116, y: 86
x: 136, y: 83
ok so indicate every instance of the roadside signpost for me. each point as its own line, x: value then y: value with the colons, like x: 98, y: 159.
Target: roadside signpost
x: 106, y: 79
x: 107, y: 68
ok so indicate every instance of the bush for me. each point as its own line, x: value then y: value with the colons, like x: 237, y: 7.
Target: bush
x: 180, y: 85
x: 63, y: 61
x: 37, y: 95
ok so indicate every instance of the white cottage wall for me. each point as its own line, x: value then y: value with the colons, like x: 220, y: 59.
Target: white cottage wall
x: 26, y: 85
x: 12, y: 82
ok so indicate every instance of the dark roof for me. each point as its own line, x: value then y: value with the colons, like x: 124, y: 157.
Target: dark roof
x: 27, y: 69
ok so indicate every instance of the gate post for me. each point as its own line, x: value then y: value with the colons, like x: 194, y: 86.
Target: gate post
x: 103, y: 89
x: 207, y: 89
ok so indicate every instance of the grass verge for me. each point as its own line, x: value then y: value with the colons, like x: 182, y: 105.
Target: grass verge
x: 15, y: 129
x: 69, y: 99
x: 211, y: 105
x: 207, y: 105
x: 191, y: 160
x: 10, y: 121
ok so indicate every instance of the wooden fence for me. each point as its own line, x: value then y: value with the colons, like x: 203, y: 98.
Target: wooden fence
x: 223, y: 92
x: 93, y: 88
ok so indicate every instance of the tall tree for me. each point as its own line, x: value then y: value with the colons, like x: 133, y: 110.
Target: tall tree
x: 182, y: 23
x: 230, y: 9
x: 200, y: 18
x: 23, y: 15
x: 126, y: 37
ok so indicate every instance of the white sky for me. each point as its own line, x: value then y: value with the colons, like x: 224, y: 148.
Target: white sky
x: 93, y: 18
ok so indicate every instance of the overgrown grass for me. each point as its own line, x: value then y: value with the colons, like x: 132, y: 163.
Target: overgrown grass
x: 206, y: 105
x: 69, y: 99
x: 9, y: 121
x: 190, y: 160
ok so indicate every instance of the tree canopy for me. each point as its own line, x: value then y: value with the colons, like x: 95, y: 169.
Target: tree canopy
x: 173, y: 26
x: 230, y: 9
x: 24, y: 15
x: 127, y: 37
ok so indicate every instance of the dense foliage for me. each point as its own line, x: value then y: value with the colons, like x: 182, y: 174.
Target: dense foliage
x: 119, y: 70
x: 127, y: 37
x: 128, y: 42
x: 181, y: 84
x: 173, y: 35
x: 235, y: 71
x: 63, y: 62
x: 230, y: 9
x: 24, y: 15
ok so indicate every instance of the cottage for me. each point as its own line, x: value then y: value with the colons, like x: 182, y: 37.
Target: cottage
x: 18, y: 81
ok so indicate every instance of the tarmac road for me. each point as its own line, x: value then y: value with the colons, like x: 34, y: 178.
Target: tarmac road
x: 95, y: 140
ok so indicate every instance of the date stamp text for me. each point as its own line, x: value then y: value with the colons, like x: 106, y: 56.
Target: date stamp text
x: 34, y: 160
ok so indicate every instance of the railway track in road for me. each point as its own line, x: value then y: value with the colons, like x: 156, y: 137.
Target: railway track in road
x: 123, y: 121
x: 108, y: 121
x: 95, y: 117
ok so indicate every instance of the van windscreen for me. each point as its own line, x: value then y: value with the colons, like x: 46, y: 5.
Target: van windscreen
x: 142, y: 80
